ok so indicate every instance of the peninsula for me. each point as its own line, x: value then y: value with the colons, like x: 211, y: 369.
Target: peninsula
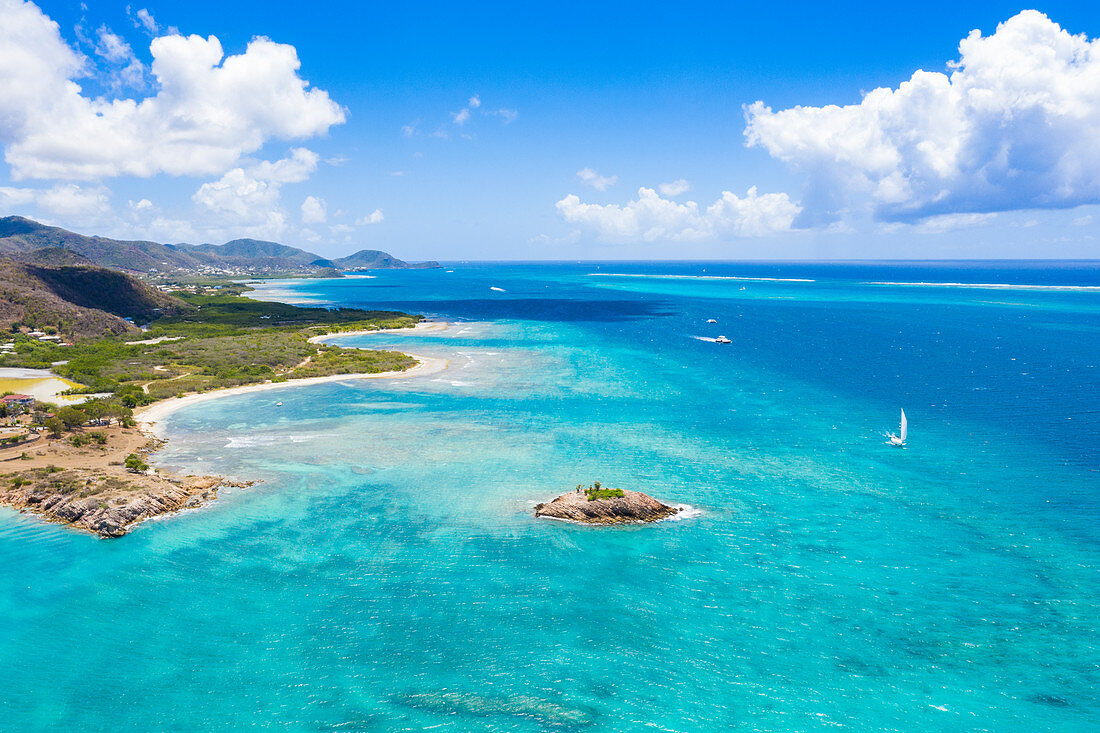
x: 85, y: 465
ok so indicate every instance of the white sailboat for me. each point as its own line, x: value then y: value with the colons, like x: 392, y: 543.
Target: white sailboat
x: 903, y: 432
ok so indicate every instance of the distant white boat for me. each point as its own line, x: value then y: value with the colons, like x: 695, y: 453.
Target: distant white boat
x: 903, y: 433
x: 278, y: 404
x: 711, y: 320
x: 722, y: 340
x: 499, y: 290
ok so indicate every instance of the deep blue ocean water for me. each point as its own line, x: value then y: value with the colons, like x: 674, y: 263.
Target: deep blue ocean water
x: 388, y: 575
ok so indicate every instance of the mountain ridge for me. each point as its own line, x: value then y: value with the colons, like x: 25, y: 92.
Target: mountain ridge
x: 21, y: 238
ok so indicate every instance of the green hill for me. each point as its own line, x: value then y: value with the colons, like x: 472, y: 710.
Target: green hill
x: 79, y: 301
x: 373, y: 259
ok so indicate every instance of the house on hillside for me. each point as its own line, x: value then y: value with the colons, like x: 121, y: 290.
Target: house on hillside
x: 16, y: 404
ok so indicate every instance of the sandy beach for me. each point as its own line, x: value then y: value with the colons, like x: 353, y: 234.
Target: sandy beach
x: 150, y: 416
x: 120, y: 499
x: 420, y: 328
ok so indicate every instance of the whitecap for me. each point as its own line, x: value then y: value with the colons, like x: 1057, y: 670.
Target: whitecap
x: 687, y: 511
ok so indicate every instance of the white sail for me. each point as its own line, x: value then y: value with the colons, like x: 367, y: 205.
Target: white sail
x: 903, y: 430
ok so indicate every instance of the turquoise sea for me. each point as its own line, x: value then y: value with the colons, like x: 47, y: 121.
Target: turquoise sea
x: 387, y: 575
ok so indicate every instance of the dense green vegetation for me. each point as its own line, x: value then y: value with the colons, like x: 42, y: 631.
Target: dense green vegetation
x: 221, y: 340
x: 595, y: 491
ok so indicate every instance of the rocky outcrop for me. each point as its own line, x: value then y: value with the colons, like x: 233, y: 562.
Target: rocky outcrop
x: 631, y: 508
x: 109, y: 506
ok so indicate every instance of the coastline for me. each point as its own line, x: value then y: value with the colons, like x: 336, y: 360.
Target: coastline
x: 149, y: 416
x: 47, y: 491
x: 419, y: 328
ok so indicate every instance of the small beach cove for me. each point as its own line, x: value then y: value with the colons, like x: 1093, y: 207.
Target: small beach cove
x: 51, y: 468
x: 150, y: 416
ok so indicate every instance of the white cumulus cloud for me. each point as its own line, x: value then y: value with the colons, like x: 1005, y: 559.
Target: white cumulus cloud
x: 375, y: 217
x: 651, y: 218
x: 1012, y: 126
x: 246, y: 201
x: 209, y: 109
x: 314, y: 210
x: 85, y: 204
x: 144, y: 19
x: 128, y: 70
x: 675, y: 188
x: 590, y: 177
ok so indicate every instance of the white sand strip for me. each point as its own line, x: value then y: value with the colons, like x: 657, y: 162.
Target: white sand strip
x: 148, y: 417
x: 418, y: 329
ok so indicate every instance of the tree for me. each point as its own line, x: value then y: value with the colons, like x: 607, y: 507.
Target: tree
x: 55, y: 426
x: 72, y: 417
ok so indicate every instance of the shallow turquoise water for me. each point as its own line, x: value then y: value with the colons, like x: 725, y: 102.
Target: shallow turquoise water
x: 387, y: 574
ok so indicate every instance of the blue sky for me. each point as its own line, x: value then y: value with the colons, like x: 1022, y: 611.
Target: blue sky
x: 509, y: 132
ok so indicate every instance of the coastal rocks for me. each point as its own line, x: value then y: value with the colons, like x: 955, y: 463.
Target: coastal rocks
x: 631, y: 508
x: 108, y: 506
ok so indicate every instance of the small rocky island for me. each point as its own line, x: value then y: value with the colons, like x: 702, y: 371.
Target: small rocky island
x: 597, y: 505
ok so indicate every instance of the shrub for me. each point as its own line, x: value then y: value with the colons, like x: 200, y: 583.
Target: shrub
x: 594, y: 492
x: 98, y: 436
x: 135, y: 464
